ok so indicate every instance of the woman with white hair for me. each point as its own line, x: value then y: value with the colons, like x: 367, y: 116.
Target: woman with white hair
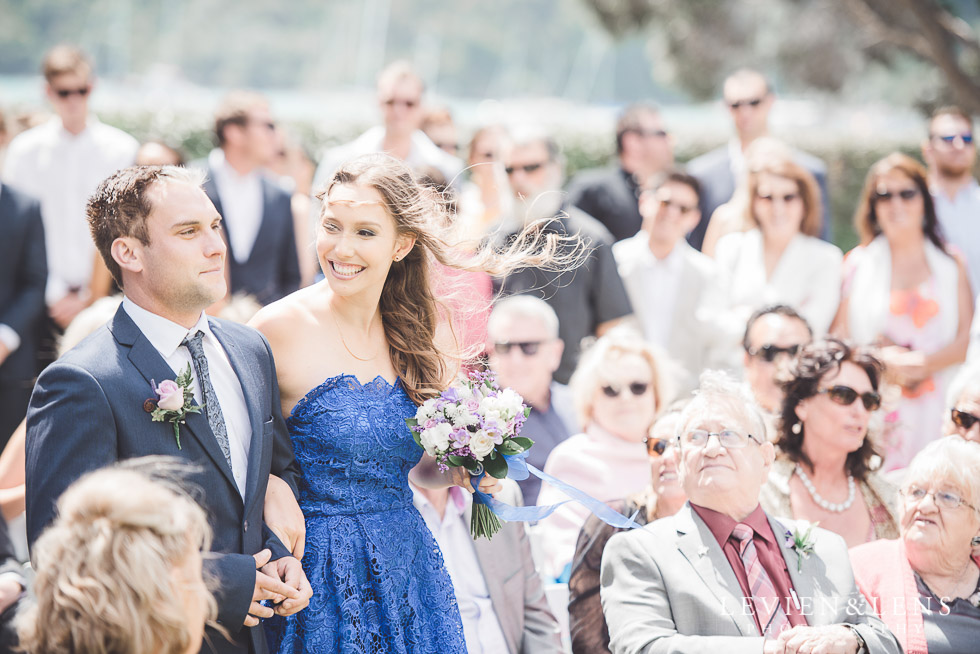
x: 926, y: 585
x: 618, y: 387
x: 119, y: 570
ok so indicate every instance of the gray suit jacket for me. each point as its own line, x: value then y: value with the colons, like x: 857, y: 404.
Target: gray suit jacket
x: 669, y: 588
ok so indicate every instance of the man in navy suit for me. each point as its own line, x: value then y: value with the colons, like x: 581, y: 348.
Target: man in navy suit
x: 161, y: 239
x: 257, y: 213
x: 23, y: 275
x: 749, y: 98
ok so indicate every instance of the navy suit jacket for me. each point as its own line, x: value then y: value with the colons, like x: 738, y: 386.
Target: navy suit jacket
x: 713, y: 171
x: 272, y: 269
x: 23, y: 275
x: 87, y: 412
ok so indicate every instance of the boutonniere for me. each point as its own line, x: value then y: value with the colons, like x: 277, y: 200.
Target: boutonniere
x: 175, y: 399
x: 802, y: 543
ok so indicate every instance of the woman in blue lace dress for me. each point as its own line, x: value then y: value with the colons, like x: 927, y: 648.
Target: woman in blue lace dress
x: 356, y: 353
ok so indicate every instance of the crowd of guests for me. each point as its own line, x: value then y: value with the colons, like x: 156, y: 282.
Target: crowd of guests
x: 850, y: 395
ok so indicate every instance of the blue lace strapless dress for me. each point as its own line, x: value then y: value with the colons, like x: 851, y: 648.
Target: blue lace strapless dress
x: 379, y: 583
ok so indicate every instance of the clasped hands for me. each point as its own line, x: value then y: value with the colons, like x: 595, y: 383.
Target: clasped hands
x: 830, y: 639
x: 283, y: 582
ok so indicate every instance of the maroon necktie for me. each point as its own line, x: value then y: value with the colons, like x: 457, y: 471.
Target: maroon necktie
x: 768, y: 607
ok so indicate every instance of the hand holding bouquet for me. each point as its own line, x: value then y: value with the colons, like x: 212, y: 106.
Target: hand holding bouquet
x: 474, y: 425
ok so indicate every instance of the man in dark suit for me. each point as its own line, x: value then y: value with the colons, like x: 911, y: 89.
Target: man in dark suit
x: 161, y: 239
x: 749, y: 98
x: 257, y: 213
x: 23, y: 275
x: 643, y: 149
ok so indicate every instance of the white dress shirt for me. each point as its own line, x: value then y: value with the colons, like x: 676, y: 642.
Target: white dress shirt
x: 959, y: 219
x: 241, y: 204
x: 661, y: 283
x: 481, y: 628
x: 62, y: 170
x: 166, y: 337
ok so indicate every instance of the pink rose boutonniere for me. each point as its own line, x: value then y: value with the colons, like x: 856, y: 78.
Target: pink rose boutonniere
x: 175, y: 399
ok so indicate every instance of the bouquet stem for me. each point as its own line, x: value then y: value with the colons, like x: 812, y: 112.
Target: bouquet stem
x: 484, y: 522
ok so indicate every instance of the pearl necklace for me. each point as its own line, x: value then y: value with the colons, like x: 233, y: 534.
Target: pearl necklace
x: 821, y: 502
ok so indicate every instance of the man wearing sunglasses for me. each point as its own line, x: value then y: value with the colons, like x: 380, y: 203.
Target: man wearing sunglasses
x: 773, y: 334
x: 721, y: 575
x: 400, y: 98
x: 257, y: 213
x: 60, y: 163
x: 951, y: 155
x: 644, y: 149
x: 749, y: 98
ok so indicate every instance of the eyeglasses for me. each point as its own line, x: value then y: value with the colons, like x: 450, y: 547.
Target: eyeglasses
x: 787, y: 199
x: 408, y: 104
x: 527, y: 168
x: 528, y: 348
x: 769, y: 352
x: 64, y: 94
x: 845, y: 396
x: 682, y: 209
x: 963, y: 419
x: 943, y: 499
x: 636, y: 388
x: 656, y: 446
x: 950, y: 139
x: 907, y: 195
x: 727, y: 438
x: 754, y: 102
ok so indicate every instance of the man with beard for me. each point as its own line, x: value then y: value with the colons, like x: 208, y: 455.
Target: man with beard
x: 589, y: 298
x: 951, y: 154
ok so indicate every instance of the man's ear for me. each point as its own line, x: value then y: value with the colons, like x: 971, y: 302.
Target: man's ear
x: 768, y: 453
x: 127, y: 252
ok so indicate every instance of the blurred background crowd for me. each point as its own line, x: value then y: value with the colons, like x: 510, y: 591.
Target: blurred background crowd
x: 786, y: 191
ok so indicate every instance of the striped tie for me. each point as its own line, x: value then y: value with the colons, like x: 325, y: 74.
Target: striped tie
x: 768, y: 607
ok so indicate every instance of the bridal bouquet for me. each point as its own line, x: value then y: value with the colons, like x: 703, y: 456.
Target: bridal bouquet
x: 475, y: 425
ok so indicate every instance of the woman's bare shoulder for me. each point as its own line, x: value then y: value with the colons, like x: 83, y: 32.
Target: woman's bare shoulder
x: 285, y: 315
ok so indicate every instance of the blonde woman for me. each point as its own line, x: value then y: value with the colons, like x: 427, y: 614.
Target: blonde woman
x: 119, y: 570
x: 619, y: 387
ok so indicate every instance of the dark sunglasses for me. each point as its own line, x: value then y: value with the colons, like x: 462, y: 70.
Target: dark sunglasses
x: 769, y: 352
x: 951, y: 139
x: 528, y: 348
x: 527, y: 168
x: 845, y: 396
x: 906, y: 194
x: 754, y: 102
x: 409, y: 104
x: 64, y: 94
x: 683, y: 209
x: 636, y: 388
x: 656, y: 446
x: 789, y: 197
x: 963, y: 419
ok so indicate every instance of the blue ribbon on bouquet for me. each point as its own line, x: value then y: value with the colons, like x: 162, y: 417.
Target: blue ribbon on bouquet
x: 519, y: 469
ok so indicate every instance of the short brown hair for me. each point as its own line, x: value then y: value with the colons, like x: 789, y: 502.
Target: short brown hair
x: 806, y: 184
x: 234, y: 109
x: 120, y: 206
x: 629, y: 120
x: 949, y: 110
x: 65, y: 59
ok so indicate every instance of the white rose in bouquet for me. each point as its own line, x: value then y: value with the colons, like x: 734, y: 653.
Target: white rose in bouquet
x: 481, y: 444
x: 435, y: 440
x: 427, y: 411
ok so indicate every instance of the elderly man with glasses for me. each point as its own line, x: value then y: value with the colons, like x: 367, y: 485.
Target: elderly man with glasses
x: 721, y: 575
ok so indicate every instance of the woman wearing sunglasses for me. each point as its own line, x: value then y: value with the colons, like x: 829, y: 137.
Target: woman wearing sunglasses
x: 963, y: 419
x: 664, y: 496
x: 824, y: 470
x: 905, y: 292
x: 925, y: 586
x: 618, y: 389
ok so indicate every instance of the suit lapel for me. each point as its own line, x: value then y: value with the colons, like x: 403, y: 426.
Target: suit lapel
x: 804, y: 583
x: 699, y: 546
x: 211, y: 189
x: 155, y: 369
x: 252, y: 387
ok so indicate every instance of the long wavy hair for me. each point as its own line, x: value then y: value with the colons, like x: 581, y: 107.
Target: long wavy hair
x: 410, y: 310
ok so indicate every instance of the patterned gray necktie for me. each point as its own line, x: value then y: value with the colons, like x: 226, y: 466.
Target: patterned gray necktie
x: 211, y: 405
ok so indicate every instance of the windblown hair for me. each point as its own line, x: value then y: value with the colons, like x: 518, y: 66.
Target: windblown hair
x: 120, y: 206
x: 812, y: 364
x: 410, y: 310
x: 105, y: 581
x: 784, y: 166
x: 866, y: 217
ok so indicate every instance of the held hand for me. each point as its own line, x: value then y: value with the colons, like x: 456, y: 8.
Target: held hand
x: 284, y: 517
x: 831, y: 639
x: 290, y: 571
x: 10, y: 592
x: 267, y: 587
x: 462, y: 478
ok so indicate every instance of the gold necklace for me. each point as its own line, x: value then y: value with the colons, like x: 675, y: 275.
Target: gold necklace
x: 342, y: 340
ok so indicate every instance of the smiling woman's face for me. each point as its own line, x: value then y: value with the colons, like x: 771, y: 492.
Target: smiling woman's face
x: 928, y: 528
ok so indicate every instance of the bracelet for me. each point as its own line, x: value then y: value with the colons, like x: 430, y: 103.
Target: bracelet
x: 862, y: 646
